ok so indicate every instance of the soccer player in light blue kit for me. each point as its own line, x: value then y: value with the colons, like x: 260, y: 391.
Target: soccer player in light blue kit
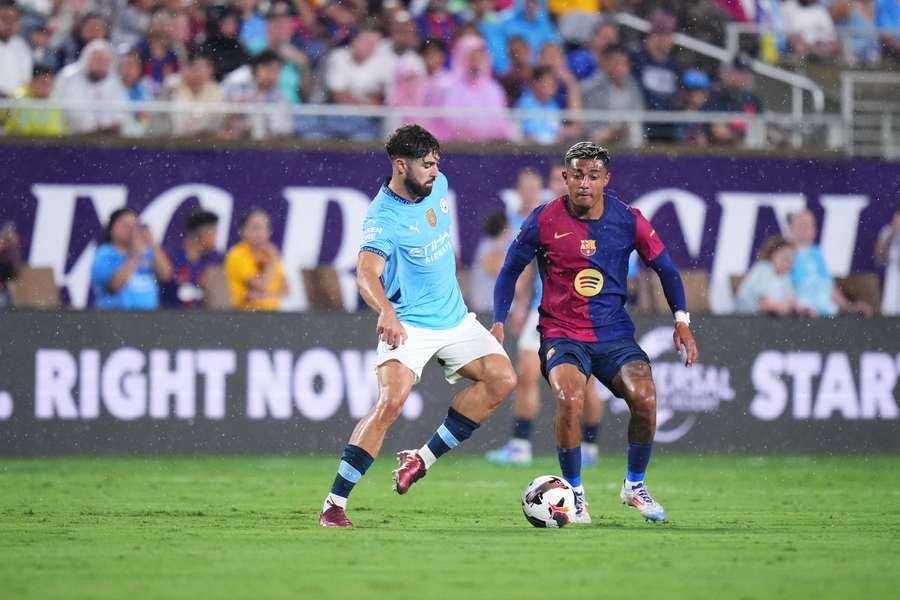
x: 407, y: 273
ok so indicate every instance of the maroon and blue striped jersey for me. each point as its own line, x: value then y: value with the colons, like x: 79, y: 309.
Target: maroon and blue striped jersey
x: 583, y: 264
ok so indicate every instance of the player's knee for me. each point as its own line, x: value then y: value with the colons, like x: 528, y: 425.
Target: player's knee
x: 643, y: 401
x: 570, y: 401
x: 390, y: 404
x: 502, y: 382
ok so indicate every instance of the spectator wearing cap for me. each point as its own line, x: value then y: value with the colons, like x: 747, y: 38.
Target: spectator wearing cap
x: 92, y: 78
x: 15, y: 56
x: 36, y: 121
x: 189, y: 91
x: 735, y: 94
x: 529, y: 19
x: 261, y: 87
x: 190, y: 259
x: 613, y: 88
x: 222, y: 44
x: 658, y: 74
x: 128, y: 265
x: 810, y: 29
x: 585, y: 61
x: 694, y: 98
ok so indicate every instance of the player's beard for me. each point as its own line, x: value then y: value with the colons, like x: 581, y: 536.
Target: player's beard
x: 418, y: 190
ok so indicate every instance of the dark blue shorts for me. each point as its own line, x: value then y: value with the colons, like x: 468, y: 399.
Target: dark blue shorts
x: 603, y: 360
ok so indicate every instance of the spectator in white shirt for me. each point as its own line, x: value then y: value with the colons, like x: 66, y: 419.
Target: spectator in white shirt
x: 15, y: 56
x: 92, y: 80
x: 358, y: 75
x: 810, y: 29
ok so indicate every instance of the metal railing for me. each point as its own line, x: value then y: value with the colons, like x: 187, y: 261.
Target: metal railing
x: 872, y: 120
x: 757, y: 125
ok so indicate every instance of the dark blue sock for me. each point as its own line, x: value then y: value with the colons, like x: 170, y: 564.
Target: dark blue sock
x: 522, y: 429
x: 570, y: 464
x: 354, y: 463
x: 638, y: 459
x: 590, y: 433
x: 455, y: 429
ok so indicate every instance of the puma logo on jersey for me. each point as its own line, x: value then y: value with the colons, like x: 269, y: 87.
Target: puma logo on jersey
x: 558, y: 235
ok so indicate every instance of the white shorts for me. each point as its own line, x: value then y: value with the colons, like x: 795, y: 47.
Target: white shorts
x: 530, y: 339
x: 454, y: 348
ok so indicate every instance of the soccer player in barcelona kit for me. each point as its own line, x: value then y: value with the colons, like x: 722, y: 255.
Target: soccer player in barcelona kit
x: 582, y: 242
x: 406, y: 272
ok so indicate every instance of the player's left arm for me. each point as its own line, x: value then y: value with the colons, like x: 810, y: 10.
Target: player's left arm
x: 521, y: 252
x: 655, y: 255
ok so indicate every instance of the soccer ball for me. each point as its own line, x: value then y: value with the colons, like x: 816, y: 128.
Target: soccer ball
x: 548, y: 501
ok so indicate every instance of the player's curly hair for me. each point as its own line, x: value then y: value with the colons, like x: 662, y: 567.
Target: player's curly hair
x: 411, y: 141
x: 587, y: 151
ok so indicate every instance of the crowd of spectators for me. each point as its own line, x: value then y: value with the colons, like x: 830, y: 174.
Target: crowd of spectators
x: 478, y: 58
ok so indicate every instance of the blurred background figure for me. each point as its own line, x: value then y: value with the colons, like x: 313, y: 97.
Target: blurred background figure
x: 767, y: 289
x: 128, y: 266
x: 810, y: 30
x: 658, y: 74
x: 10, y: 260
x: 15, y: 55
x: 489, y: 257
x: 92, y: 78
x: 694, y: 98
x: 612, y: 88
x: 36, y: 121
x: 258, y: 85
x: 471, y: 86
x: 813, y: 283
x: 190, y: 259
x: 193, y: 87
x: 253, y: 266
x: 887, y: 251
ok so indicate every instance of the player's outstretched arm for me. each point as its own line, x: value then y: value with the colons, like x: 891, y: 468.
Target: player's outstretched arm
x: 369, y: 268
x: 673, y: 288
x: 519, y: 255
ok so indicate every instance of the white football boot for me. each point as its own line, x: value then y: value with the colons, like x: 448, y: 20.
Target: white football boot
x: 581, y: 516
x: 638, y: 497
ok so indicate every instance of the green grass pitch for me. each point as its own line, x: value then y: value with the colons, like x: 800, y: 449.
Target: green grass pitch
x: 741, y: 527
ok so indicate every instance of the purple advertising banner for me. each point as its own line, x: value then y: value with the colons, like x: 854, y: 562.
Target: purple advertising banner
x: 712, y: 212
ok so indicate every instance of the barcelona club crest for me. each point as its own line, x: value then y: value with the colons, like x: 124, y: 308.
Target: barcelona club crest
x: 431, y: 217
x: 588, y: 247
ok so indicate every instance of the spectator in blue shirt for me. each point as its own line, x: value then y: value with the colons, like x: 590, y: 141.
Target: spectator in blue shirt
x: 529, y: 20
x: 887, y: 19
x: 813, y: 283
x: 547, y: 127
x: 128, y: 265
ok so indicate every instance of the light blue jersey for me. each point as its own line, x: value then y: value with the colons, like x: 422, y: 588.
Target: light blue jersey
x: 420, y: 266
